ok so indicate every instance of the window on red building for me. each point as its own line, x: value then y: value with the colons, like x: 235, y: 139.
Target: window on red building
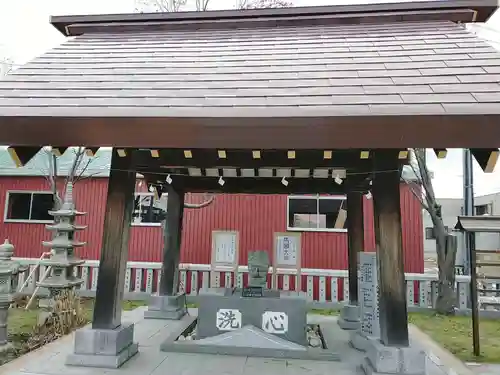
x: 316, y: 213
x: 148, y: 210
x: 26, y: 206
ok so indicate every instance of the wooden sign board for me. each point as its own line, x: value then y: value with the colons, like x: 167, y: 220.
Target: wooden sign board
x: 341, y: 218
x: 286, y: 255
x: 225, y: 252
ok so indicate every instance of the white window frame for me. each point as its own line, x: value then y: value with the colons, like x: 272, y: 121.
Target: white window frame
x: 140, y: 224
x: 489, y: 209
x: 25, y: 221
x: 318, y: 199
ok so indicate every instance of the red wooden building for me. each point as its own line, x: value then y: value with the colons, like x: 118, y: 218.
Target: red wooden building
x: 25, y: 198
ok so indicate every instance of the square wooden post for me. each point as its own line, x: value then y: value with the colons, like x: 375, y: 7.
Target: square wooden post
x: 114, y: 251
x: 168, y: 303
x: 109, y: 343
x: 349, y: 317
x: 169, y: 283
x: 356, y: 239
x: 388, y: 239
x: 392, y: 353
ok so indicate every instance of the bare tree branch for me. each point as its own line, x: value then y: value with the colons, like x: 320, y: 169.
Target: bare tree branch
x: 208, y: 200
x: 89, y: 175
x: 161, y: 5
x: 260, y: 4
x: 74, y: 174
x: 202, y: 5
x: 84, y: 169
x: 6, y: 66
x: 51, y: 178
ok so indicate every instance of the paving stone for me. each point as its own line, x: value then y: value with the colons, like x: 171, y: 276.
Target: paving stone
x: 49, y: 360
x: 484, y: 369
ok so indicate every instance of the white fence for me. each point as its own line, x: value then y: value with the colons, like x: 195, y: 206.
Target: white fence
x: 324, y: 288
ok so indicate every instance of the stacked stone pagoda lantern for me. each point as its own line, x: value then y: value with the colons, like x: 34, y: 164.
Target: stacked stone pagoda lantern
x: 9, y: 276
x: 63, y: 260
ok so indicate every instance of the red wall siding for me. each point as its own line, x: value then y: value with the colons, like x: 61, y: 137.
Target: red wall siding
x: 256, y: 217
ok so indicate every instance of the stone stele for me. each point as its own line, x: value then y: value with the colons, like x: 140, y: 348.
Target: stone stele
x: 258, y: 267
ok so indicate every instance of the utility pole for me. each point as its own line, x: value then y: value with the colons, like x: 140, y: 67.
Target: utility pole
x: 470, y: 246
x: 468, y: 185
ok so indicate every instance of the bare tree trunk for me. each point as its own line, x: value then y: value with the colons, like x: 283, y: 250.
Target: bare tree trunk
x: 52, y: 179
x: 446, y: 299
x: 446, y: 244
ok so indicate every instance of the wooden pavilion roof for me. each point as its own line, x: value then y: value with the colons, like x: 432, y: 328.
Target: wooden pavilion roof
x: 392, y: 77
x: 304, y: 79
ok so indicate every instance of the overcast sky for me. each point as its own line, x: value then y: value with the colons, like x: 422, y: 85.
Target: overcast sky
x: 25, y: 33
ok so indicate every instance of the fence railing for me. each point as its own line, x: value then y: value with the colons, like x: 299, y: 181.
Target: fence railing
x: 324, y: 288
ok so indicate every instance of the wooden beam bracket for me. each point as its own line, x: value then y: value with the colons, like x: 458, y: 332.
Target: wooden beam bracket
x: 487, y: 158
x: 21, y: 155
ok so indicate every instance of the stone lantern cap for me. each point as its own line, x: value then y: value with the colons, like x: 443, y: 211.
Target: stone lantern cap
x: 7, y: 265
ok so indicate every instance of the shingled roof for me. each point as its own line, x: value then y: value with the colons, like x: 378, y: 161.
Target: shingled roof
x: 309, y: 71
x: 428, y: 67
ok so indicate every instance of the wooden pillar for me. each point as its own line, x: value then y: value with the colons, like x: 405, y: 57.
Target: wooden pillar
x: 172, y: 247
x: 114, y: 251
x: 387, y: 211
x: 355, y: 236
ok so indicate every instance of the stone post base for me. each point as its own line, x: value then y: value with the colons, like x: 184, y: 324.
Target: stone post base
x: 359, y: 341
x: 104, y: 348
x: 349, y: 317
x: 385, y: 360
x: 166, y: 307
x: 45, y: 303
x: 6, y: 347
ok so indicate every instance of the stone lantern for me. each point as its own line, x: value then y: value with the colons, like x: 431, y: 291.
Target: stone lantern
x: 63, y: 260
x: 9, y: 275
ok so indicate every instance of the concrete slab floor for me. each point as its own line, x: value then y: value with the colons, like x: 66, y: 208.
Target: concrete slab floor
x: 484, y: 368
x: 149, y: 333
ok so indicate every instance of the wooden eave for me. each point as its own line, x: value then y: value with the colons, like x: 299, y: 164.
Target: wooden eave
x: 263, y: 128
x: 483, y: 223
x: 483, y: 8
x: 454, y: 15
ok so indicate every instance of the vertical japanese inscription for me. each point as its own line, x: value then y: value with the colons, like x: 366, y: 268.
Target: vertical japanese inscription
x: 228, y: 319
x: 368, y: 294
x: 275, y: 322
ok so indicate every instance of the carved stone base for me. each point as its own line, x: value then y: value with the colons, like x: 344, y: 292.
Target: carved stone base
x: 6, y: 347
x: 45, y: 303
x: 104, y: 348
x: 385, y: 360
x: 359, y: 341
x: 349, y: 318
x: 252, y: 310
x: 166, y: 307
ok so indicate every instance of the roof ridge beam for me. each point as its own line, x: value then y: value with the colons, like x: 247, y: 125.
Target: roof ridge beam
x: 485, y: 9
x: 454, y: 15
